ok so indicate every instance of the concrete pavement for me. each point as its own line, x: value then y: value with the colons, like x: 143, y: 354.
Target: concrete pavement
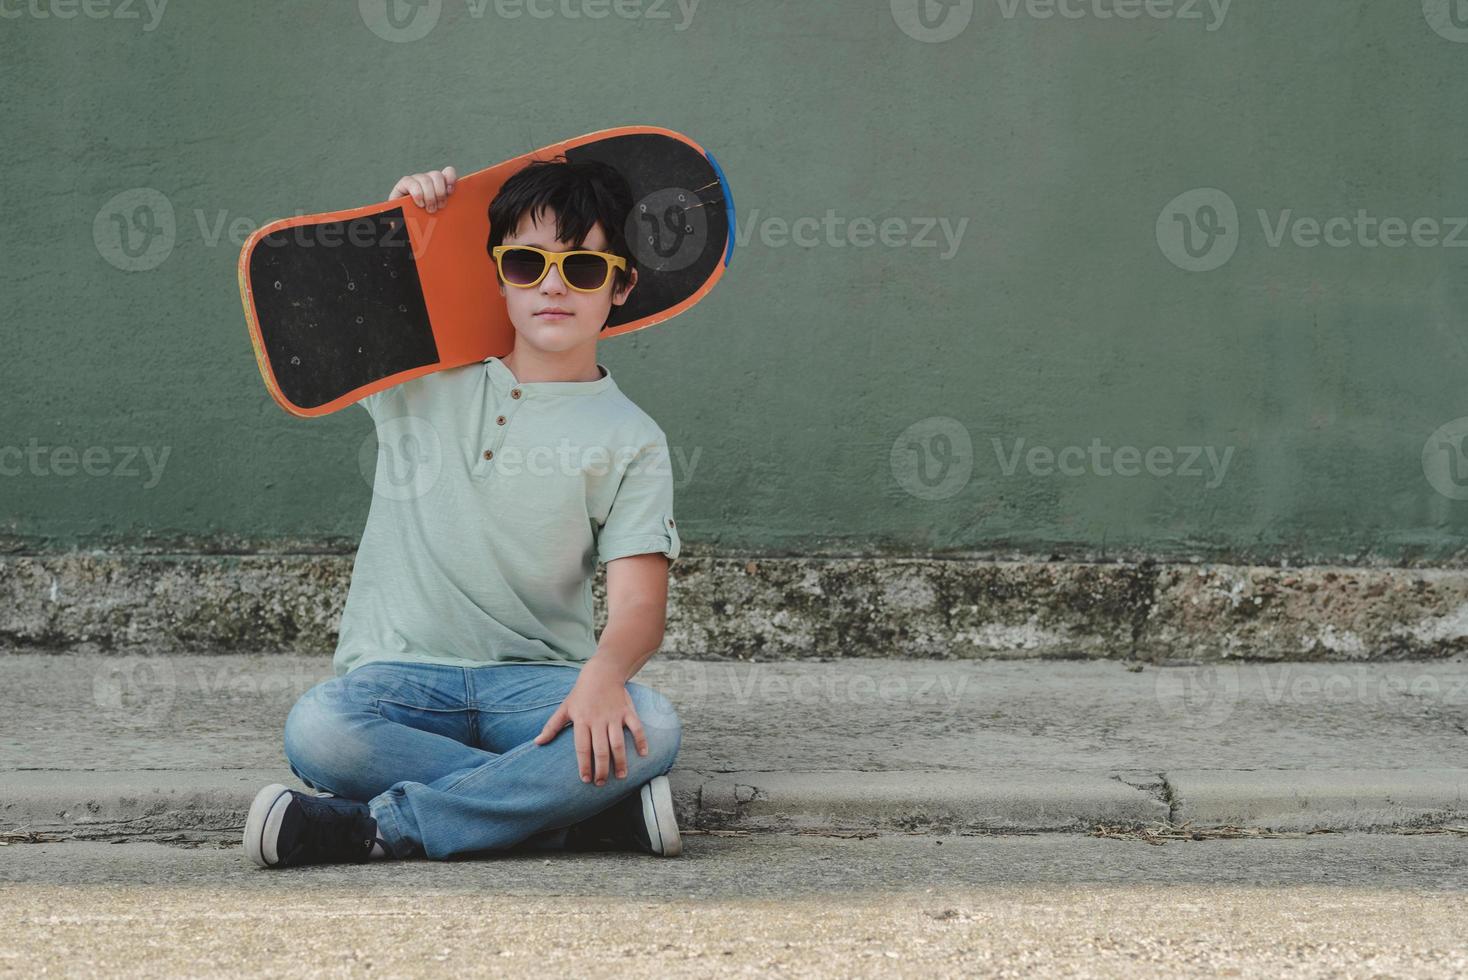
x: 172, y: 746
x: 805, y: 905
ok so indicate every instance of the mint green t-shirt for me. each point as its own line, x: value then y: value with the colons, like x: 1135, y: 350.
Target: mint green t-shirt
x: 492, y: 502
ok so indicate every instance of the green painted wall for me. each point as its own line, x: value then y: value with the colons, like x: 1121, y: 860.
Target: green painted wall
x: 841, y: 393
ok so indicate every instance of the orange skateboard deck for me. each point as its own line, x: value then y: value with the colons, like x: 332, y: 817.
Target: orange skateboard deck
x: 346, y: 303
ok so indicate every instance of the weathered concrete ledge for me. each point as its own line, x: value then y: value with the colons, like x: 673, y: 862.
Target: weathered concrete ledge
x: 139, y: 804
x: 725, y: 608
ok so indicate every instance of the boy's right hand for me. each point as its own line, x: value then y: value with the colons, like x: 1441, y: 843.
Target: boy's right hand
x: 429, y: 191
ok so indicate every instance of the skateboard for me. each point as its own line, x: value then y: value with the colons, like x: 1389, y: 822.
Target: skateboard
x: 343, y: 304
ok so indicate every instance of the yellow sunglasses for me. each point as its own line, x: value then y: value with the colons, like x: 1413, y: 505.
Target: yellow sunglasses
x: 584, y: 270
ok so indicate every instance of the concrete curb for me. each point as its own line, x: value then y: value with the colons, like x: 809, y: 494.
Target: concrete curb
x: 114, y: 804
x: 779, y: 608
x: 1352, y: 799
x: 997, y: 801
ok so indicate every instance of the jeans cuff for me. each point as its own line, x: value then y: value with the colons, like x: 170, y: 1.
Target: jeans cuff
x: 387, y: 825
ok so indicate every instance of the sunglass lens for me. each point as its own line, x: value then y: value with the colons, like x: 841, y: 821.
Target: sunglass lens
x: 585, y: 271
x: 521, y: 266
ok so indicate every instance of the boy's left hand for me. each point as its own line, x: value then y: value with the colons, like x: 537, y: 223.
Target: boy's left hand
x: 430, y: 191
x: 599, y: 706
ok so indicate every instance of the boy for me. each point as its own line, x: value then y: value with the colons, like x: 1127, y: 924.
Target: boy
x: 466, y: 643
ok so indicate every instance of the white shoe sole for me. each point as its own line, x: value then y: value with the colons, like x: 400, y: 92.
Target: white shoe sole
x: 262, y: 827
x: 662, y: 824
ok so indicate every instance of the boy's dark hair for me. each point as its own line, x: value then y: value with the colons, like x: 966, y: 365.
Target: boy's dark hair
x: 581, y: 195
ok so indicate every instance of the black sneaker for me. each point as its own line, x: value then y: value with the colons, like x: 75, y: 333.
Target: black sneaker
x: 287, y: 828
x: 642, y: 820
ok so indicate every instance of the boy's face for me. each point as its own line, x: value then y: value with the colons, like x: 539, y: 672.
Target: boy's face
x: 587, y: 311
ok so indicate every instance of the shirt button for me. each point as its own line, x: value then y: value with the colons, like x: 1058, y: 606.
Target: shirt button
x: 514, y: 392
x: 489, y: 454
x: 670, y: 522
x: 500, y: 420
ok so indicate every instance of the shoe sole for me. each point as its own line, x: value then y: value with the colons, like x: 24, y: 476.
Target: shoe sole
x: 262, y: 827
x: 662, y: 823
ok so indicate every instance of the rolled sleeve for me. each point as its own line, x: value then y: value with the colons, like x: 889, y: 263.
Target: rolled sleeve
x: 640, y: 520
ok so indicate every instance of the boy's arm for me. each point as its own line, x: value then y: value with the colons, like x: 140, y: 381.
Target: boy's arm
x: 637, y: 606
x: 638, y: 541
x: 599, y: 706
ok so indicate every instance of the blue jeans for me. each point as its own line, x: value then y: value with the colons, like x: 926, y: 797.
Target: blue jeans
x: 445, y: 755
